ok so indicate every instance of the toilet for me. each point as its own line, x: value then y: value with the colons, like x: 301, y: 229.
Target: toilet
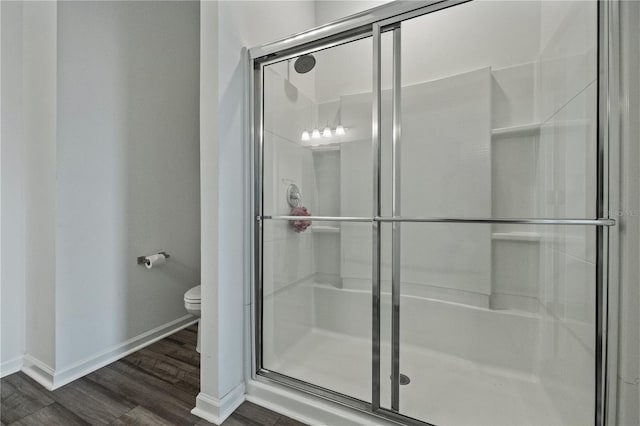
x: 192, y: 305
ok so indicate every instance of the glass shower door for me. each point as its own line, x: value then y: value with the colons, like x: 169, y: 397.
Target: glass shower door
x: 431, y: 230
x: 316, y: 239
x: 491, y: 314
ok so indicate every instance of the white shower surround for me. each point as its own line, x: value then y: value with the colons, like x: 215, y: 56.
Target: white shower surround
x: 314, y: 319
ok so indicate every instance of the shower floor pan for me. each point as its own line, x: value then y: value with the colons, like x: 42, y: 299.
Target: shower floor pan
x: 444, y: 390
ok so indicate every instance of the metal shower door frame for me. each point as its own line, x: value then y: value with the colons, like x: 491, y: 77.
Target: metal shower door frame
x: 372, y: 24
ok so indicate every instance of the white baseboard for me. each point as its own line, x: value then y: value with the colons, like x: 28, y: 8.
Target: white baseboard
x: 53, y: 379
x: 307, y: 408
x: 39, y: 371
x: 12, y: 366
x: 217, y: 410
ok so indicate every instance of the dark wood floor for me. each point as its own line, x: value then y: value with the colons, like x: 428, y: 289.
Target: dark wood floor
x: 154, y: 386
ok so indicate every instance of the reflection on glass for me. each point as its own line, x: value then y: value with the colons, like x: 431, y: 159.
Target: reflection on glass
x: 513, y: 329
x: 316, y: 321
x: 317, y: 132
x: 501, y: 125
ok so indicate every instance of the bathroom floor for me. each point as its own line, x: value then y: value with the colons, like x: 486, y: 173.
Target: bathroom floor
x: 154, y: 386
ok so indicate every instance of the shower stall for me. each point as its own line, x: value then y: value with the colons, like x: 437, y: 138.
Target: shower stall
x: 430, y: 225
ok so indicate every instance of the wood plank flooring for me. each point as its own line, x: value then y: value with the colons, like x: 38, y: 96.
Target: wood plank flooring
x: 157, y: 385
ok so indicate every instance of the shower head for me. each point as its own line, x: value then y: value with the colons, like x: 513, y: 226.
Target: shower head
x: 304, y: 64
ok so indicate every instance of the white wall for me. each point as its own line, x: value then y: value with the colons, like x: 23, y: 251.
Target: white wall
x: 128, y: 176
x: 209, y: 330
x: 100, y: 165
x: 39, y: 131
x: 13, y: 201
x: 242, y: 24
x: 329, y: 11
x: 432, y: 47
x: 239, y: 24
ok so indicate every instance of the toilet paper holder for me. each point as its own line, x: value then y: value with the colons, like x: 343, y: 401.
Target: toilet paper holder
x: 141, y: 259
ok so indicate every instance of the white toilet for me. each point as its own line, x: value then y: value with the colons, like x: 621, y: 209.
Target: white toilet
x: 192, y: 304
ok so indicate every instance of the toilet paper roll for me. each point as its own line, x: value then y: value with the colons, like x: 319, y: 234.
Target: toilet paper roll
x: 154, y: 260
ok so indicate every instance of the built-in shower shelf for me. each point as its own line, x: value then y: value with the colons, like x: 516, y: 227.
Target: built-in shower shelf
x: 516, y: 236
x: 325, y: 228
x: 521, y: 130
x: 323, y: 148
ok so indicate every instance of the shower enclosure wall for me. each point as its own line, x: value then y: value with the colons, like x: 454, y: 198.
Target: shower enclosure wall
x: 453, y: 159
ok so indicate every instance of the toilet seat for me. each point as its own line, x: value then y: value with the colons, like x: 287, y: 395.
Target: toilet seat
x: 193, y: 295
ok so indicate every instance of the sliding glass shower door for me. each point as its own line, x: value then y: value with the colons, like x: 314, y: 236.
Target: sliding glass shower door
x: 316, y: 274
x: 494, y: 320
x: 431, y: 227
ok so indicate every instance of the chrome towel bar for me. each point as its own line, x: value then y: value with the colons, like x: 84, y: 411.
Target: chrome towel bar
x: 523, y: 221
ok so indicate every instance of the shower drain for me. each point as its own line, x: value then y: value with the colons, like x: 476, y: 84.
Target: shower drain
x: 404, y: 379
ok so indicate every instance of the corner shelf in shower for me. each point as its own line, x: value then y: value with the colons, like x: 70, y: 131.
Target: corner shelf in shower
x: 516, y: 236
x: 325, y: 148
x: 325, y: 229
x: 531, y: 129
